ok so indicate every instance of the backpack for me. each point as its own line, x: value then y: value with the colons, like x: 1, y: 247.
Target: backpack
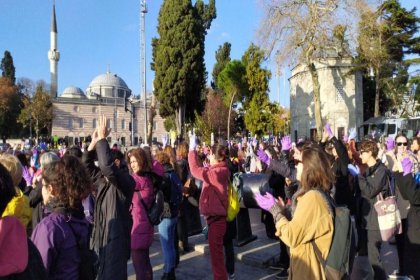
x: 88, y: 258
x: 35, y: 269
x: 175, y: 193
x: 155, y: 212
x: 336, y: 266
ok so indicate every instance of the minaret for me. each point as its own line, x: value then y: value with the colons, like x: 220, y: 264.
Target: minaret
x: 53, y: 54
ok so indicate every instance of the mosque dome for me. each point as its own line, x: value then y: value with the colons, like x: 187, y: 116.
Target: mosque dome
x: 108, y: 85
x: 73, y: 92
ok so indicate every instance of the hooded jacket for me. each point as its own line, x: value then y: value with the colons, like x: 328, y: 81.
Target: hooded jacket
x: 13, y: 246
x: 214, y: 196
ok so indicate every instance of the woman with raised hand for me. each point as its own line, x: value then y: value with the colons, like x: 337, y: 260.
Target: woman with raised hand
x: 312, y: 219
x: 112, y: 219
x: 65, y: 183
x: 213, y: 200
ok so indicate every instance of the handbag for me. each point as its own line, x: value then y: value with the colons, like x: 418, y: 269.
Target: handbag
x: 389, y: 218
x: 233, y: 203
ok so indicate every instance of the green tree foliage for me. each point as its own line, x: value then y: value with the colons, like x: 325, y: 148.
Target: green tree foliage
x: 9, y: 107
x: 386, y: 36
x: 7, y: 67
x: 178, y: 58
x: 222, y: 58
x: 38, y: 109
x: 232, y: 82
x: 264, y: 117
x: 257, y: 77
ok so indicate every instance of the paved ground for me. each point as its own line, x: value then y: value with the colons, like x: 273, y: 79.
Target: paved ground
x: 253, y: 259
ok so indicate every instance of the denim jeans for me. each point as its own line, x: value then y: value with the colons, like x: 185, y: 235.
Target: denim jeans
x: 167, y: 229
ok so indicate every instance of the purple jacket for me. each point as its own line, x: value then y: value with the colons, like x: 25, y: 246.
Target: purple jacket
x: 142, y: 231
x: 57, y: 244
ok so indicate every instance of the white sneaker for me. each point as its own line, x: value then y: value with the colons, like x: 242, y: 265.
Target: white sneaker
x: 232, y: 276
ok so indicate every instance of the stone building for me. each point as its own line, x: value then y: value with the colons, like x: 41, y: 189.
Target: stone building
x: 76, y: 113
x: 341, y: 97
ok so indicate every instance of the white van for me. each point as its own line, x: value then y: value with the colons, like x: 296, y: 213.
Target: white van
x: 384, y: 127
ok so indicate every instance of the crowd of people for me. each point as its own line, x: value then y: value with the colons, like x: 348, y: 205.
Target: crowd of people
x: 73, y: 214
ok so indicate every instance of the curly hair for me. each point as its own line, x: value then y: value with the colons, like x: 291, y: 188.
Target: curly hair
x: 369, y: 146
x: 7, y: 190
x: 69, y: 179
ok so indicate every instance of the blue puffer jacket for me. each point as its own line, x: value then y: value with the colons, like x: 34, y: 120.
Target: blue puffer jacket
x: 57, y: 244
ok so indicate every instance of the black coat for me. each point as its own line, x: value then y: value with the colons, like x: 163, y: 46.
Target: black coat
x: 343, y: 193
x: 112, y: 217
x: 374, y: 181
x: 411, y: 192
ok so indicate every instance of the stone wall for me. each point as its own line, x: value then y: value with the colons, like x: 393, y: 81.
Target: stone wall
x: 341, y: 98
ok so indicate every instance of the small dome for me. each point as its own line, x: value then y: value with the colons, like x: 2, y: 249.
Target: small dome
x: 108, y: 79
x: 73, y: 92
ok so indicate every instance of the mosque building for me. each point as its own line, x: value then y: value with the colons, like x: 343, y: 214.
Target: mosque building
x: 76, y: 113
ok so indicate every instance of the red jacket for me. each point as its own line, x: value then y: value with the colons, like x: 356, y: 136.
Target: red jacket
x: 214, y: 197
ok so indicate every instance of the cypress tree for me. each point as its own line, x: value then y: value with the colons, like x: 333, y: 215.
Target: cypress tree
x: 7, y: 67
x: 178, y: 58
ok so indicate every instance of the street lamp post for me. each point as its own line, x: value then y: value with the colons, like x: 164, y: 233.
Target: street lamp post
x: 143, y: 11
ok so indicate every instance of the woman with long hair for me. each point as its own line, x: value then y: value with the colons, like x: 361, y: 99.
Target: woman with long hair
x: 312, y: 219
x: 213, y: 200
x: 65, y: 183
x: 142, y: 230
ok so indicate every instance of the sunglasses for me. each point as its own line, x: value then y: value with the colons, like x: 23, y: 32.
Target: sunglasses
x: 402, y: 143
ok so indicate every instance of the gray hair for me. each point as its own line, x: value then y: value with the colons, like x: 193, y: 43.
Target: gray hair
x: 47, y: 158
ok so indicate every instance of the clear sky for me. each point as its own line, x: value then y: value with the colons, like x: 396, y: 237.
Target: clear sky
x: 95, y: 34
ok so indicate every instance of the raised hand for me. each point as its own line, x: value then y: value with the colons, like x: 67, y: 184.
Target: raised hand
x: 328, y: 130
x: 390, y: 143
x: 352, y: 134
x: 263, y: 156
x: 286, y: 143
x: 164, y: 140
x: 193, y: 142
x: 103, y: 131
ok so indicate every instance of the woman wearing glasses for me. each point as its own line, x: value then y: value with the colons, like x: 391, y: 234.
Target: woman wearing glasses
x: 400, y: 153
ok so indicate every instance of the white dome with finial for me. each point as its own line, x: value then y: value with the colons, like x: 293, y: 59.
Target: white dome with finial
x: 108, y: 85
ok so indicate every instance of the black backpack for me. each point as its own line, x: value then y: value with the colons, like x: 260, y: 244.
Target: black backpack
x: 155, y: 211
x: 88, y: 258
x: 336, y: 266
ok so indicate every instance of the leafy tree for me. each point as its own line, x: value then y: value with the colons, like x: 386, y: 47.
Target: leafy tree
x: 178, y: 58
x: 386, y: 36
x: 9, y: 107
x: 39, y: 109
x: 7, y: 67
x: 232, y: 82
x: 257, y: 77
x: 222, y: 58
x: 296, y: 32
